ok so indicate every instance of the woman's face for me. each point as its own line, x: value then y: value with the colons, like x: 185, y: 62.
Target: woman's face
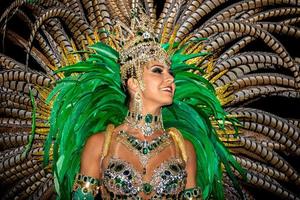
x: 159, y: 86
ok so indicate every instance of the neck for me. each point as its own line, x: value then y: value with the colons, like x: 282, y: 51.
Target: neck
x: 146, y: 123
x: 145, y: 109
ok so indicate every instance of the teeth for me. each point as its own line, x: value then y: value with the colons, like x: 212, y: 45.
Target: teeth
x: 167, y: 89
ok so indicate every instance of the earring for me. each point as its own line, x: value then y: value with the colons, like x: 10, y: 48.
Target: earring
x: 139, y: 74
x: 137, y: 102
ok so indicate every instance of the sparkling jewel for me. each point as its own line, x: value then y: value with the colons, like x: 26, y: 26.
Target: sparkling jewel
x: 148, y: 124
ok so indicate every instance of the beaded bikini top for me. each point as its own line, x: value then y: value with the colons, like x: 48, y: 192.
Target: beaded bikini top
x: 122, y: 181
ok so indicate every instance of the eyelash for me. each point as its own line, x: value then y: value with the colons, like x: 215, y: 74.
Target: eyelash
x: 157, y: 70
x: 171, y: 72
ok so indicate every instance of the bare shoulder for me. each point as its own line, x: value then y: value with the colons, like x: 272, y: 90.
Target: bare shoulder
x: 90, y: 157
x: 94, y: 144
x: 189, y: 147
x: 96, y: 140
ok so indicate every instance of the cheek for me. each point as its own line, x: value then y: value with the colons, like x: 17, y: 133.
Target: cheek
x: 151, y: 83
x: 152, y: 87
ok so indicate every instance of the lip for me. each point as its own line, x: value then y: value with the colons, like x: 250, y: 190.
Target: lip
x: 168, y: 89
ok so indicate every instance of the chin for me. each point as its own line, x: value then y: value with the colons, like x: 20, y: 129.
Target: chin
x: 167, y: 103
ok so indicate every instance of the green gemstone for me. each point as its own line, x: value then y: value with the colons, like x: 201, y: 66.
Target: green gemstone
x: 147, y: 188
x: 148, y: 118
x: 118, y: 180
x: 145, y: 150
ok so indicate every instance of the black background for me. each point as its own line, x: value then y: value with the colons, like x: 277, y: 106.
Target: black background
x: 281, y: 106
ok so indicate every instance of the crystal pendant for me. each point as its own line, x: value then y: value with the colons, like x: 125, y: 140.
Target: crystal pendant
x: 145, y: 151
x: 147, y: 131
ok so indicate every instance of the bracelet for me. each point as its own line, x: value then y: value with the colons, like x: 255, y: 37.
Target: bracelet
x: 85, y: 187
x: 192, y: 193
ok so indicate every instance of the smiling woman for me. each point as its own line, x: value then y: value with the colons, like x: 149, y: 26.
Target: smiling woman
x: 159, y: 86
x: 91, y: 111
x: 140, y: 159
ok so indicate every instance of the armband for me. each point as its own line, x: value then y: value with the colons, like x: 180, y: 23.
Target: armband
x: 85, y: 187
x: 192, y: 193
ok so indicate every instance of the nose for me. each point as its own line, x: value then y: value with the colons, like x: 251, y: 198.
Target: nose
x: 169, y: 78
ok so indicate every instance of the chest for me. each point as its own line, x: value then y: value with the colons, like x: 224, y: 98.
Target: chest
x: 146, y: 170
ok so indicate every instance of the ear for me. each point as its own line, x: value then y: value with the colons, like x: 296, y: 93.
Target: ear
x: 132, y: 85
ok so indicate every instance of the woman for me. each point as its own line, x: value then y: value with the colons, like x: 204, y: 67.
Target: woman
x: 158, y: 91
x: 139, y: 158
x: 85, y: 103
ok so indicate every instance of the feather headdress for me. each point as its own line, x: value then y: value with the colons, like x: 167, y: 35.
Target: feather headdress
x: 91, y: 96
x: 251, y: 70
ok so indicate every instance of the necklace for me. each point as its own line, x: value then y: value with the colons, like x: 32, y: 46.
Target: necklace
x: 145, y: 149
x: 148, y: 124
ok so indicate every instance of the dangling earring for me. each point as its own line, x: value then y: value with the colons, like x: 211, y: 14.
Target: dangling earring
x: 139, y: 73
x: 137, y: 102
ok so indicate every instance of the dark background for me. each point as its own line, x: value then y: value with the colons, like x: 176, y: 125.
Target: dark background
x: 281, y: 106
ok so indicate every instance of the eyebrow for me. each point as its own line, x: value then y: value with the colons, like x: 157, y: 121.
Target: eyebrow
x: 159, y: 65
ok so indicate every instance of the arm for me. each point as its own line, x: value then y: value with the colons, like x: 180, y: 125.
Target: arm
x: 90, y: 158
x: 191, y: 165
x: 87, y: 183
x: 192, y: 191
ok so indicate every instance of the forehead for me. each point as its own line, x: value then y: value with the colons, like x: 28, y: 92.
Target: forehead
x: 152, y: 63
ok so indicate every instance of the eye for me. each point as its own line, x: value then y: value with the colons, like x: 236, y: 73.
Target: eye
x: 157, y: 70
x: 171, y: 72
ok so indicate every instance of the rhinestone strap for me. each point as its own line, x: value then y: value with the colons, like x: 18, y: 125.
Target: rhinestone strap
x: 85, y: 187
x: 192, y: 193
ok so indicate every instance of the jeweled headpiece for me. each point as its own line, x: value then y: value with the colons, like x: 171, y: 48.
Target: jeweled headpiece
x: 138, y: 46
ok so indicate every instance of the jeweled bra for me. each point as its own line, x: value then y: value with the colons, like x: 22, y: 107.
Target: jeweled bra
x: 122, y: 181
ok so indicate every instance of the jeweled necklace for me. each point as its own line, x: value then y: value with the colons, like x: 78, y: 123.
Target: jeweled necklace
x: 145, y: 149
x: 148, y: 124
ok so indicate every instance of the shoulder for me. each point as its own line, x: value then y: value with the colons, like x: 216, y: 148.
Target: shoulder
x: 190, y: 149
x: 175, y: 132
x: 91, y: 155
x: 95, y: 140
x: 189, y: 145
x: 93, y: 145
x: 98, y: 139
x: 93, y: 150
x: 186, y: 146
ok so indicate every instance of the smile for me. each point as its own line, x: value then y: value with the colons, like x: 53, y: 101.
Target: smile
x: 167, y: 89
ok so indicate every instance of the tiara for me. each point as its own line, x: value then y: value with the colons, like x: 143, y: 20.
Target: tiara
x: 138, y: 45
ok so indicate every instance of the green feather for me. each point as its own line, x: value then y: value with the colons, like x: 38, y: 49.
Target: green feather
x: 85, y: 103
x: 105, y: 51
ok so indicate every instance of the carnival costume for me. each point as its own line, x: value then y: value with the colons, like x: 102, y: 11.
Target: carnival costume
x: 83, y: 94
